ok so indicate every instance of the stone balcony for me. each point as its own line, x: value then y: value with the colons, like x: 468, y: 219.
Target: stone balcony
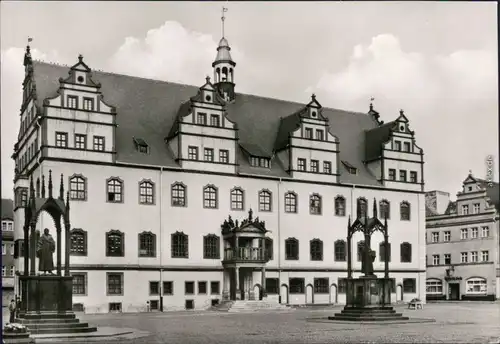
x: 245, y: 254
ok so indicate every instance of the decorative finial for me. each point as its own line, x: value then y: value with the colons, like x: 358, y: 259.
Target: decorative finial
x: 61, y: 189
x: 32, y: 189
x: 43, y: 185
x: 349, y: 222
x: 401, y: 112
x: 38, y: 187
x: 80, y: 58
x: 50, y: 183
x: 374, y: 207
x: 470, y: 172
x: 222, y: 19
x: 250, y: 213
x: 313, y: 97
x: 358, y: 209
x: 207, y: 79
x: 371, y: 103
x: 67, y: 205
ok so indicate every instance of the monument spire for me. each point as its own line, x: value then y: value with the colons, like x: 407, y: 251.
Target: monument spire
x: 374, y: 208
x: 224, y: 10
x: 50, y: 183
x: 61, y: 189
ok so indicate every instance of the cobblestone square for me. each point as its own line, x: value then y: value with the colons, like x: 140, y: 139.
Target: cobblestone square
x: 454, y: 323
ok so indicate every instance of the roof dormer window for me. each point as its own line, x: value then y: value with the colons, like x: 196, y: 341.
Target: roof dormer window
x: 259, y: 162
x: 141, y: 145
x: 351, y: 169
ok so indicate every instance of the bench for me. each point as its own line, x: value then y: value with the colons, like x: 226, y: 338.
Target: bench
x: 415, y: 305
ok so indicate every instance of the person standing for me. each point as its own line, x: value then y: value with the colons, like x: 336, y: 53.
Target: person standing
x: 12, y: 309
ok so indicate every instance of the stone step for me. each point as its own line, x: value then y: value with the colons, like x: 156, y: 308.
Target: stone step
x: 359, y: 311
x: 38, y: 326
x: 373, y: 315
x: 47, y: 315
x: 37, y: 321
x: 64, y: 330
x: 368, y: 318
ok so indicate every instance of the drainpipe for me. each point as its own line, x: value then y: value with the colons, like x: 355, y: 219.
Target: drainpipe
x: 160, y: 243
x: 279, y: 239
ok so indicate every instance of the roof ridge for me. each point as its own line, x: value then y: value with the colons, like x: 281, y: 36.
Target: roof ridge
x: 187, y: 85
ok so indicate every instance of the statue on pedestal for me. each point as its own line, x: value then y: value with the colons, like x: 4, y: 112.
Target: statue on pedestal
x: 44, y: 251
x: 367, y: 262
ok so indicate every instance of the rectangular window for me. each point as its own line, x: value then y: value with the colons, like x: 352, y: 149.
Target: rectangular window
x: 413, y: 176
x: 392, y: 174
x: 327, y: 167
x: 409, y: 285
x: 202, y: 118
x: 72, y: 102
x: 264, y: 162
x: 321, y: 286
x: 314, y: 166
x: 272, y: 285
x: 464, y: 257
x: 189, y: 288
x: 79, y: 283
x: 308, y: 133
x: 402, y: 176
x: 80, y: 141
x: 397, y: 145
x: 485, y: 232
x: 4, y: 249
x: 297, y: 285
x: 202, y: 287
x: 464, y: 233
x: 192, y: 153
x: 475, y: 208
x: 447, y: 258
x: 215, y: 288
x: 301, y: 164
x: 61, y: 139
x: 485, y: 256
x: 435, y: 259
x: 224, y: 156
x: 465, y: 210
x: 88, y: 104
x: 209, y: 154
x: 342, y: 285
x: 474, y: 233
x: 168, y: 288
x: 473, y: 257
x: 115, y: 283
x: 447, y: 236
x: 406, y: 146
x: 99, y: 144
x: 12, y: 270
x: 11, y: 249
x: 319, y: 135
x: 435, y: 236
x: 215, y: 120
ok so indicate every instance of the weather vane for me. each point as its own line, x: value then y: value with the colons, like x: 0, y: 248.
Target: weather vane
x: 224, y: 9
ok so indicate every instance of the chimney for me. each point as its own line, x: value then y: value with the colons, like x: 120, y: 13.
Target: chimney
x: 437, y: 201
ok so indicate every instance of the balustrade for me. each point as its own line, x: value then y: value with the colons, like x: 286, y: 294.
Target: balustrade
x: 244, y: 253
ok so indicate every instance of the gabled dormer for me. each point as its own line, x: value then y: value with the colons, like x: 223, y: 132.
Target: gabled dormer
x: 392, y: 155
x: 203, y: 137
x: 256, y: 156
x: 304, y: 144
x: 477, y: 196
x: 79, y: 124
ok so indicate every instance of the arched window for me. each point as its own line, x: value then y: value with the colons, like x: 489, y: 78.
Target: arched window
x: 362, y: 207
x: 339, y: 206
x: 78, y: 242
x: 211, y: 247
x: 115, y: 246
x: 147, y: 244
x: 434, y: 286
x: 340, y: 248
x: 405, y: 249
x: 178, y: 194
x: 381, y: 250
x: 77, y: 187
x: 385, y: 209
x: 180, y: 245
x: 146, y: 192
x: 476, y: 286
x: 115, y: 190
x: 361, y: 246
x: 231, y: 75
x: 265, y: 200
x: 316, y: 249
x: 217, y: 75
x: 237, y: 198
x: 269, y: 244
x: 291, y: 249
x: 291, y: 202
x: 210, y: 197
x: 224, y: 74
x: 405, y: 211
x: 315, y: 204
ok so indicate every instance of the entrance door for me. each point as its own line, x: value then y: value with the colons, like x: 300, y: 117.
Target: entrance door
x: 454, y: 291
x: 232, y: 284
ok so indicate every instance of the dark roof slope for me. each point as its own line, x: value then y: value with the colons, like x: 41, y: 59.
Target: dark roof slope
x: 375, y: 138
x: 148, y: 109
x: 493, y: 192
x: 7, y: 209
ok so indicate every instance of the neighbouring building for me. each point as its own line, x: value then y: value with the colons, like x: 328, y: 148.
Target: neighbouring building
x: 463, y: 243
x: 8, y: 266
x: 162, y: 178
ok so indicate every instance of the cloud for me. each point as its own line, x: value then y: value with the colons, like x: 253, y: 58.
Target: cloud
x: 170, y: 52
x: 451, y: 101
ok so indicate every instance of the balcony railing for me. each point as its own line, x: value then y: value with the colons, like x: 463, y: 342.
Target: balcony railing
x: 251, y: 254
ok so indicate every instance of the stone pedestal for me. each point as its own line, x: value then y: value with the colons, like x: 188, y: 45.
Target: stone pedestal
x: 47, y: 293
x: 368, y: 291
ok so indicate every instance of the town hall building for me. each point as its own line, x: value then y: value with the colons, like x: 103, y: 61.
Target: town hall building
x: 184, y: 196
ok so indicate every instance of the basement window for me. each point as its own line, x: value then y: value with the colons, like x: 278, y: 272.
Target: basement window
x: 141, y: 145
x: 351, y: 169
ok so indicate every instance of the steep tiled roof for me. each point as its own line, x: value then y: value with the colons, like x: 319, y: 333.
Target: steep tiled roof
x: 429, y: 211
x: 7, y: 209
x: 374, y: 139
x: 451, y: 209
x: 148, y: 108
x: 492, y: 191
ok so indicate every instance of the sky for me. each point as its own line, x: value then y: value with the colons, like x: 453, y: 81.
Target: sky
x: 438, y: 61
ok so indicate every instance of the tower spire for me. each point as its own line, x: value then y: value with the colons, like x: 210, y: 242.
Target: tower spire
x: 224, y: 10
